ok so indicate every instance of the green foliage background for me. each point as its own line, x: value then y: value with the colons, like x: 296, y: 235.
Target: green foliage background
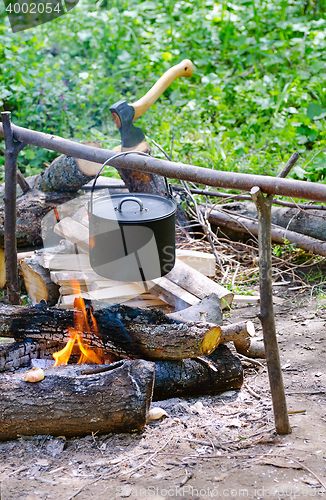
x: 257, y: 94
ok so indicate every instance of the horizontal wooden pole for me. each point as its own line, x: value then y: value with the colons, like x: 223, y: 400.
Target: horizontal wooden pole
x: 229, y: 180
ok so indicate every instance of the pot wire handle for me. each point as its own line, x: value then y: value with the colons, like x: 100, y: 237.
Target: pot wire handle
x: 130, y: 198
x: 123, y: 153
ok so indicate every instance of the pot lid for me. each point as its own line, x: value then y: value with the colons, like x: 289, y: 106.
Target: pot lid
x: 134, y: 207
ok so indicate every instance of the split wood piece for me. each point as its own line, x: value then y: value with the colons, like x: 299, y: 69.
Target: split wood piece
x: 197, y: 284
x: 67, y: 173
x: 238, y: 331
x: 31, y: 208
x: 278, y: 234
x: 90, y: 286
x: 81, y: 216
x: 20, y: 256
x: 70, y: 404
x: 266, y: 317
x: 66, y: 262
x: 208, y: 309
x: 74, y: 232
x: 252, y: 348
x: 70, y: 290
x: 202, y: 262
x: 38, y: 282
x: 147, y: 300
x: 191, y: 377
x: 87, y: 278
x: 111, y: 295
x: 254, y: 299
x: 172, y: 294
x: 124, y: 331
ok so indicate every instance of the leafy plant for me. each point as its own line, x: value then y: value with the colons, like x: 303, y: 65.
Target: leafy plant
x: 257, y: 93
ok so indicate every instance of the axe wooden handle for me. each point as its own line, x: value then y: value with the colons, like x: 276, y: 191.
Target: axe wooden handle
x: 182, y: 69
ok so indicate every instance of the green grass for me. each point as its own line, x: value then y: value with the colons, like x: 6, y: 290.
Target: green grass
x: 257, y: 94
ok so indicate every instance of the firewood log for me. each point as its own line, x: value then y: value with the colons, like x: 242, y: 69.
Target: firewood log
x: 191, y: 377
x: 124, y: 331
x: 218, y: 372
x: 70, y: 404
x: 31, y: 208
x: 67, y: 174
x: 252, y: 348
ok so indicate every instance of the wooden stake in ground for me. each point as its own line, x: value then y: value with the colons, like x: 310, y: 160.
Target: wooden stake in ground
x: 11, y: 153
x: 264, y: 205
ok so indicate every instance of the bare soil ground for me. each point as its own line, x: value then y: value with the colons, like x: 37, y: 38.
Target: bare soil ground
x: 221, y: 446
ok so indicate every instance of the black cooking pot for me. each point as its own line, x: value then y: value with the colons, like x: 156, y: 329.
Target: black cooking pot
x: 132, y: 237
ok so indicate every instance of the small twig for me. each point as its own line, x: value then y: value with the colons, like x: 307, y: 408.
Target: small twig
x: 188, y: 476
x: 85, y: 486
x: 149, y: 458
x: 289, y: 165
x: 206, y: 362
x: 161, y: 149
x: 172, y: 145
x: 249, y: 360
x: 253, y: 393
x: 102, y: 369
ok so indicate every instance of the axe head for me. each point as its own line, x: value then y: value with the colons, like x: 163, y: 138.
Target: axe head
x: 123, y: 114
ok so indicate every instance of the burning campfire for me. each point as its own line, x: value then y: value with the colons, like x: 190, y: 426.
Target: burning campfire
x: 84, y: 327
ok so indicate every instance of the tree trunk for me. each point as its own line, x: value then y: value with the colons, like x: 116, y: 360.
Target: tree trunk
x: 70, y: 404
x: 191, y: 377
x: 124, y: 331
x: 31, y: 208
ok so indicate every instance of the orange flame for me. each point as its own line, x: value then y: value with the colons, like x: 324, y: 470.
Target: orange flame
x: 81, y: 328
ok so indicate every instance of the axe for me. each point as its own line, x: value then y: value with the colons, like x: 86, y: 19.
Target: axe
x: 125, y: 114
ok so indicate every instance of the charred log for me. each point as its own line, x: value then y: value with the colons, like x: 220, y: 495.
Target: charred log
x: 191, y: 377
x: 124, y: 331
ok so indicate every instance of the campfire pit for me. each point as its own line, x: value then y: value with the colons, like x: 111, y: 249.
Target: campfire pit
x: 77, y: 399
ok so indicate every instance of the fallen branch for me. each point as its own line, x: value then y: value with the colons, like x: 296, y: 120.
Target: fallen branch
x: 278, y: 234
